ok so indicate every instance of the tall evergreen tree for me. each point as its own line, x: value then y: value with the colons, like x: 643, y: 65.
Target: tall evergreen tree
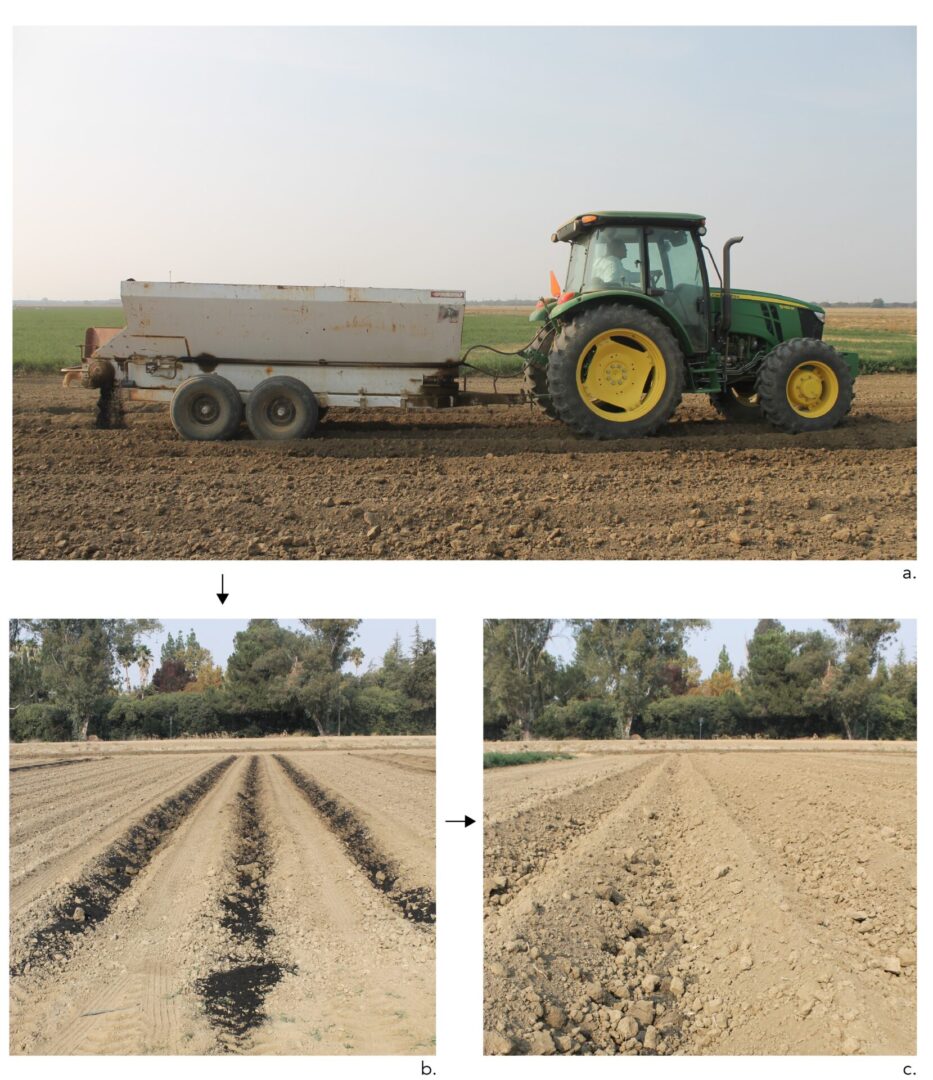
x: 515, y: 663
x: 629, y: 660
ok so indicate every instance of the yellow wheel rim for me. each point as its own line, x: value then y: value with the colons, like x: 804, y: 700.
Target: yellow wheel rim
x: 812, y: 388
x: 621, y: 375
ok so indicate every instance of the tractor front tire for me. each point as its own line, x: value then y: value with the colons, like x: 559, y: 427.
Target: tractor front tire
x: 804, y: 385
x: 615, y: 371
x: 536, y: 388
x: 738, y: 404
x: 206, y: 407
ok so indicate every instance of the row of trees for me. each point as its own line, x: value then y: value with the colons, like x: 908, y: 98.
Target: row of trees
x: 636, y: 677
x: 72, y: 679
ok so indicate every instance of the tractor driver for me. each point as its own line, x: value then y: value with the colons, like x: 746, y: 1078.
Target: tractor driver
x: 608, y: 270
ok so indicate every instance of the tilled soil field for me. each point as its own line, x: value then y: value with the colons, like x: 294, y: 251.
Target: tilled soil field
x: 484, y: 483
x: 223, y: 901
x: 712, y: 902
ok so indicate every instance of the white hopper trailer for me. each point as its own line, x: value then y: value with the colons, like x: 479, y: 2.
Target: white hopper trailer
x: 278, y: 354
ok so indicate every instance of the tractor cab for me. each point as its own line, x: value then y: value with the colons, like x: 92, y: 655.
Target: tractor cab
x: 636, y: 325
x: 657, y: 256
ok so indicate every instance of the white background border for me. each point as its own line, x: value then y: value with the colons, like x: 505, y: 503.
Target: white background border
x: 460, y: 595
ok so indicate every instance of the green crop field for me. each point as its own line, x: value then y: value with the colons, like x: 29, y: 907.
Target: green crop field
x: 884, y: 338
x: 48, y: 338
x: 45, y: 339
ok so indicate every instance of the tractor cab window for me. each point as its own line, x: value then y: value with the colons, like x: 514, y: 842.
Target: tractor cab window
x: 676, y: 279
x: 609, y: 258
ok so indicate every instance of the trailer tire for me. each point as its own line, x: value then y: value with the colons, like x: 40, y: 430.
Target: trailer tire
x: 206, y: 407
x: 804, y: 385
x: 282, y: 408
x: 615, y: 371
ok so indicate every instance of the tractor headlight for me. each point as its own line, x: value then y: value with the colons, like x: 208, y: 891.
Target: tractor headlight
x: 821, y: 315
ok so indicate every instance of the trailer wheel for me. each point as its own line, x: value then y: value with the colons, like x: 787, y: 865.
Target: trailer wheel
x: 615, y: 371
x: 738, y: 403
x: 804, y: 385
x: 206, y: 407
x: 282, y: 408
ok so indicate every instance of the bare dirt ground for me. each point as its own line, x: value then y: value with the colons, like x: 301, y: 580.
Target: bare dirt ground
x: 223, y: 899
x: 486, y: 483
x: 705, y: 901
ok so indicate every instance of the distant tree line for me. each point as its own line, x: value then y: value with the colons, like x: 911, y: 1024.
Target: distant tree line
x: 71, y: 679
x: 635, y: 677
x: 877, y: 302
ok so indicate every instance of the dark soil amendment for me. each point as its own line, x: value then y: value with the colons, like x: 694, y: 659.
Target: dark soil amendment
x: 93, y: 896
x: 234, y: 997
x: 234, y: 994
x: 416, y: 904
x: 109, y: 415
x: 243, y: 908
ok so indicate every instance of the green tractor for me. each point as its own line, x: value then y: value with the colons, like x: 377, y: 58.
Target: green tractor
x: 637, y: 325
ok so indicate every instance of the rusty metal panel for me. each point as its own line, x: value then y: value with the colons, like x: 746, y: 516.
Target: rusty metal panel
x: 397, y: 327
x: 95, y: 336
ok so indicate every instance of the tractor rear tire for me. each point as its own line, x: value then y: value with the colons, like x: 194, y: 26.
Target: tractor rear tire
x: 615, y: 371
x: 536, y: 388
x: 738, y: 403
x: 206, y: 407
x: 282, y: 408
x: 804, y: 385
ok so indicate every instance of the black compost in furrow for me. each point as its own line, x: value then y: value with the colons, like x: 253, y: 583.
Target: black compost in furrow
x: 234, y: 994
x: 243, y: 907
x: 94, y: 894
x: 418, y: 904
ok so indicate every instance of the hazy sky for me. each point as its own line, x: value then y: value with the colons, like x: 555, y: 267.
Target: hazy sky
x: 374, y: 637
x: 444, y: 158
x: 734, y: 633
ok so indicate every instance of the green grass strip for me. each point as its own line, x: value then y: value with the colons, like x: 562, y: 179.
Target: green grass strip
x: 496, y: 759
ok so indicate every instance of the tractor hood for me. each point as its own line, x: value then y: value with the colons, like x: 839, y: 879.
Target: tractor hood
x: 766, y: 298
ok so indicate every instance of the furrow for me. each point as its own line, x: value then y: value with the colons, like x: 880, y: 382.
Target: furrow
x: 585, y: 960
x: 413, y: 764
x: 44, y: 858
x: 415, y: 903
x: 233, y: 994
x: 37, y: 815
x: 39, y: 790
x: 92, y: 896
x: 49, y: 764
x: 518, y: 848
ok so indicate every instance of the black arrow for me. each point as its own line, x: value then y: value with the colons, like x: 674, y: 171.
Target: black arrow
x: 466, y: 821
x: 222, y: 596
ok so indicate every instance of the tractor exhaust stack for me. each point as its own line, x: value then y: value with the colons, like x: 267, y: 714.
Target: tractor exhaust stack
x: 726, y: 319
